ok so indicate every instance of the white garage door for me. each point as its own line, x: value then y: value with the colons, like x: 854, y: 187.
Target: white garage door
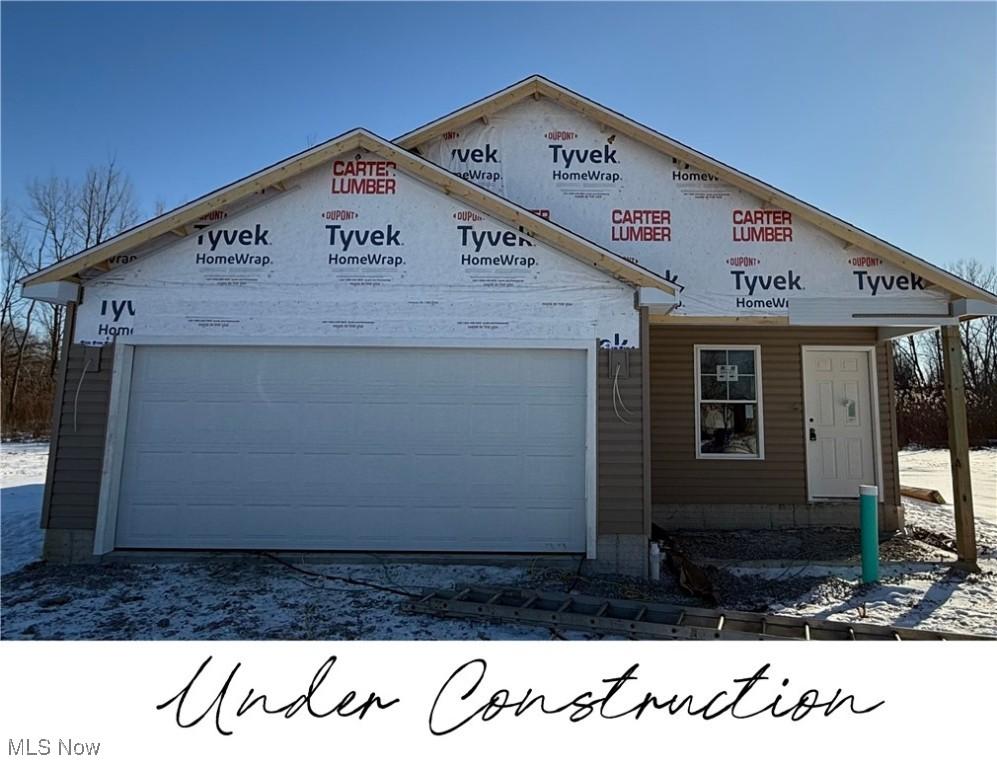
x: 350, y: 448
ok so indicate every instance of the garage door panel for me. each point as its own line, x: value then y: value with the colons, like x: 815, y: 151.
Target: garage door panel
x: 343, y: 448
x: 554, y: 425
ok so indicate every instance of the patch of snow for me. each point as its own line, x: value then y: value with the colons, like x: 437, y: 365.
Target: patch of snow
x: 917, y: 595
x: 941, y: 518
x: 22, y: 480
x: 942, y: 599
x: 228, y: 598
x: 930, y: 468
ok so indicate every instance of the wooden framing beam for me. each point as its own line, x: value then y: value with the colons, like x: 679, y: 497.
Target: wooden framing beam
x: 645, y: 403
x: 962, y: 488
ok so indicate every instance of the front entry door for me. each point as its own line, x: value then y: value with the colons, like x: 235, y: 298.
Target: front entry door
x: 839, y: 422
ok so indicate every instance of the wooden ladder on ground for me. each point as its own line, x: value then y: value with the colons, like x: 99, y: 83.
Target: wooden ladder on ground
x: 647, y: 620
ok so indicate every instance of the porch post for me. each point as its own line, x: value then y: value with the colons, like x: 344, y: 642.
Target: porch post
x: 955, y: 401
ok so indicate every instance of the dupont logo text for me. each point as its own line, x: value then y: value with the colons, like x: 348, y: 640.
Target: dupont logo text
x: 561, y: 135
x: 865, y: 261
x: 744, y: 261
x: 209, y: 218
x: 339, y: 215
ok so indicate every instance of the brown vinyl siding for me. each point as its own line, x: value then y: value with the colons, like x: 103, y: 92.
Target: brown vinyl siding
x: 620, y: 454
x: 678, y: 477
x: 73, y: 484
x: 888, y: 425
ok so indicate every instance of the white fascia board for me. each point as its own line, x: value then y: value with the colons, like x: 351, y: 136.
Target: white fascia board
x: 903, y: 312
x: 58, y: 292
x: 657, y: 300
x: 973, y: 308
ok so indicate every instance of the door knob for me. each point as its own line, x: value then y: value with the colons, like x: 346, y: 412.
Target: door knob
x: 813, y: 435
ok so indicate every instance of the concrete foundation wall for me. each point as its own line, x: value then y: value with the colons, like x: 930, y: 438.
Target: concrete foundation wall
x: 621, y: 553
x: 68, y: 546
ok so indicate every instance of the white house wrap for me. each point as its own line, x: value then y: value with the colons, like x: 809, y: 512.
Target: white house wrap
x: 356, y: 248
x: 732, y: 253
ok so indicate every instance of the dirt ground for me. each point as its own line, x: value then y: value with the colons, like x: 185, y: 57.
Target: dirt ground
x: 255, y: 598
x: 807, y: 572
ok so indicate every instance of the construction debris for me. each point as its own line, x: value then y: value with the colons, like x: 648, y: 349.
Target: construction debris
x: 924, y: 494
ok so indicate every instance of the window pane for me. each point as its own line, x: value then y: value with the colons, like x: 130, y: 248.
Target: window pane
x: 743, y: 388
x: 729, y: 429
x: 709, y: 359
x: 744, y: 359
x: 712, y: 389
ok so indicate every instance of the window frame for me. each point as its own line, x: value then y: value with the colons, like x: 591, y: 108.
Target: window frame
x: 697, y: 386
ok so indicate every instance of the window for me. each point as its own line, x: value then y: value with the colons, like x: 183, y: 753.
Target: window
x: 729, y: 402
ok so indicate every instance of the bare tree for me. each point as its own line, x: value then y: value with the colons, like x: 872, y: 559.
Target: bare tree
x: 14, y: 245
x: 72, y: 218
x: 16, y: 323
x: 63, y: 217
x: 53, y: 212
x: 105, y: 205
x: 919, y: 372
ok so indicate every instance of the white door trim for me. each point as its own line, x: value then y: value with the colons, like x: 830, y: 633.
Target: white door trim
x: 121, y: 379
x: 870, y: 350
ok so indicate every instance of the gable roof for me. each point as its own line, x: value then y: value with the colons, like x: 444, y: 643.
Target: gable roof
x: 274, y: 176
x: 537, y: 86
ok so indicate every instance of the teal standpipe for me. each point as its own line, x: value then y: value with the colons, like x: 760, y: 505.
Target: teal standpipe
x: 868, y: 511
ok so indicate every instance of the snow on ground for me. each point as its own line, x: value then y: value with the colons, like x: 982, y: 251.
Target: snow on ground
x: 226, y: 598
x: 22, y: 480
x: 223, y: 597
x: 930, y: 469
x: 909, y: 594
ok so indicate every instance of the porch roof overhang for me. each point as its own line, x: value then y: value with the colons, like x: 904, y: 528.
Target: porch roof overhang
x: 895, y: 316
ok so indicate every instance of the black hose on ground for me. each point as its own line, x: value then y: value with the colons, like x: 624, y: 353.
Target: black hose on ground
x: 344, y: 579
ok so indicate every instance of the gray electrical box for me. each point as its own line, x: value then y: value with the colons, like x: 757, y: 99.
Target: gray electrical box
x: 619, y: 359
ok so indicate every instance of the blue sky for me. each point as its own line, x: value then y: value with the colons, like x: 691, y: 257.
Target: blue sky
x: 883, y: 114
